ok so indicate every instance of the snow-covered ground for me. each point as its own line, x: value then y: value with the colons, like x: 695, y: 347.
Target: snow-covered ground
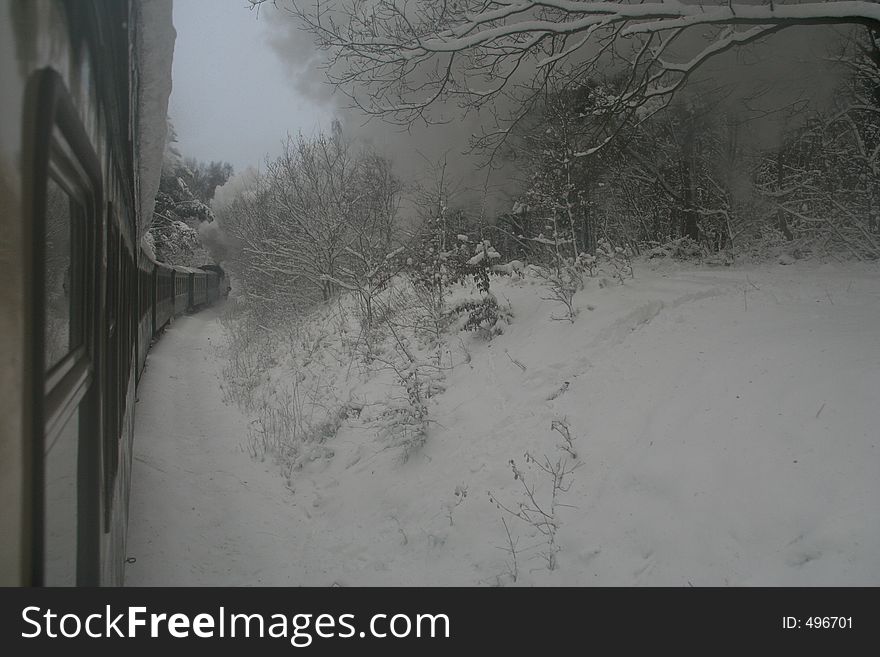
x: 724, y: 422
x: 202, y: 512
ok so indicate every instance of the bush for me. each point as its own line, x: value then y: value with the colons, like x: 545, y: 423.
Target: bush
x: 484, y: 315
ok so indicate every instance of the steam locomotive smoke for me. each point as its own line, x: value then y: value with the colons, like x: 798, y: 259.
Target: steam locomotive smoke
x: 413, y: 150
x: 760, y: 83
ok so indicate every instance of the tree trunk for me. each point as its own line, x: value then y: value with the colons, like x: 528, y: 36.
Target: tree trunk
x: 781, y: 222
x: 588, y: 236
x: 689, y: 226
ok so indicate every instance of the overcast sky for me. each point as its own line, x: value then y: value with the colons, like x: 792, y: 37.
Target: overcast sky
x: 233, y: 99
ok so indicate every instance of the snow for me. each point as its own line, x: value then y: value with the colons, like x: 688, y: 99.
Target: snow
x: 477, y: 259
x: 512, y: 268
x: 204, y: 513
x: 725, y: 422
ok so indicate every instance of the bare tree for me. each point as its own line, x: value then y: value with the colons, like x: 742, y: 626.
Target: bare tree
x: 820, y: 186
x: 400, y: 58
x: 319, y: 220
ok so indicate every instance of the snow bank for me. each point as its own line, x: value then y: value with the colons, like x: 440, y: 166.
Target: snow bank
x: 724, y: 424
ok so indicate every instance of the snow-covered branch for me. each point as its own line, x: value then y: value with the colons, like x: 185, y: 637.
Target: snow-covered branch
x: 398, y: 58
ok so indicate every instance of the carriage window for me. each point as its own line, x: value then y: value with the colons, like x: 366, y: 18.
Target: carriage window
x: 63, y: 274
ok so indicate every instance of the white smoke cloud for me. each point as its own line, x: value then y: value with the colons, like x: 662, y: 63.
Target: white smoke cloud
x: 788, y: 69
x: 414, y: 150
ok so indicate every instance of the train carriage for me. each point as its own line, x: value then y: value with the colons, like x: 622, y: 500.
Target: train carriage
x: 164, y: 310
x: 182, y: 293
x: 146, y: 309
x: 81, y: 302
x: 68, y: 190
x: 199, y: 289
x: 217, y: 287
x: 191, y: 288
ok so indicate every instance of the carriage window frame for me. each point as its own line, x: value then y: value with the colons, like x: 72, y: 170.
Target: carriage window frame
x: 71, y: 163
x: 64, y: 172
x: 59, y: 149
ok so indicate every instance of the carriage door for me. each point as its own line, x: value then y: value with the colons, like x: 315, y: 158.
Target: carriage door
x: 67, y: 456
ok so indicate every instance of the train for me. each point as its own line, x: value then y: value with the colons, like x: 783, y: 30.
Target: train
x: 168, y: 291
x: 82, y: 126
